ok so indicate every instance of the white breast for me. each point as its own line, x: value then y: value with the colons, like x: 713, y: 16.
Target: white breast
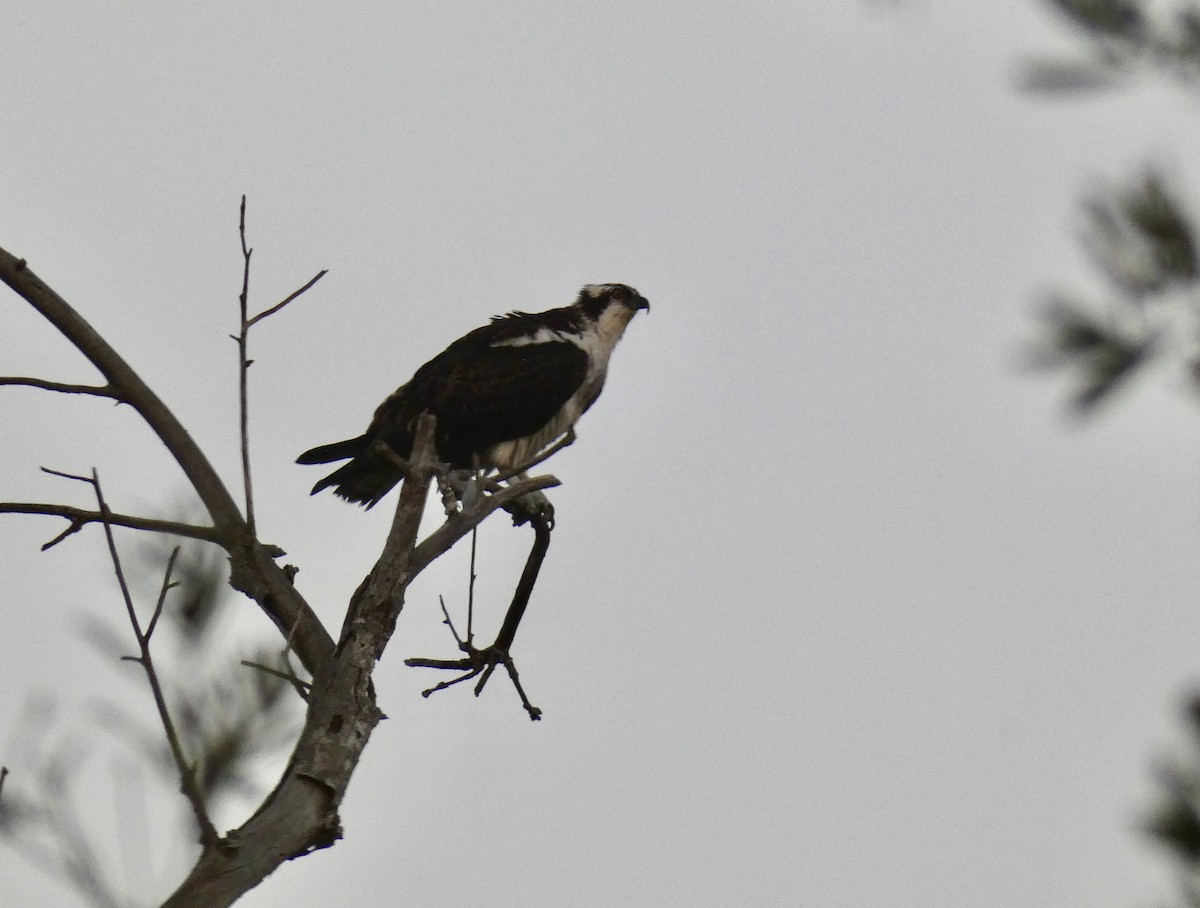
x: 598, y: 342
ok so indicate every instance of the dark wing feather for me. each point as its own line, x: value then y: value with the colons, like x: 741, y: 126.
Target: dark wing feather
x: 482, y: 395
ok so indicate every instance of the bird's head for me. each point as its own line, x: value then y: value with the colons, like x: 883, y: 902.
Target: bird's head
x: 611, y: 306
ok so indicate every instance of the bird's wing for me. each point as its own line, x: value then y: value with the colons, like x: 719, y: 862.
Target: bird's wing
x: 485, y: 394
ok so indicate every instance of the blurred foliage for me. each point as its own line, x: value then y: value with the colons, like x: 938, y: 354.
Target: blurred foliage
x: 1175, y: 821
x: 1141, y: 238
x: 230, y: 717
x: 1139, y: 234
x: 1119, y: 39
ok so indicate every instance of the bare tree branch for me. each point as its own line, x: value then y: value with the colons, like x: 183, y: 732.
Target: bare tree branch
x: 244, y: 361
x: 254, y: 570
x: 243, y: 339
x: 302, y: 813
x: 458, y: 525
x: 482, y: 662
x: 187, y: 773
x: 80, y: 517
x: 297, y: 684
x: 287, y: 299
x: 61, y: 387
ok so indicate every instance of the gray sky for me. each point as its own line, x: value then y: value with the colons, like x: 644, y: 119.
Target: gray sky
x: 839, y: 611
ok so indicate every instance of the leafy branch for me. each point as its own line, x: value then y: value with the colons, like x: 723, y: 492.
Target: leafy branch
x: 1120, y: 38
x: 1141, y: 241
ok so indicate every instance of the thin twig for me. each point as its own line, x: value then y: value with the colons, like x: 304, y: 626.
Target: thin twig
x: 187, y: 774
x: 450, y: 623
x: 3, y: 776
x: 287, y: 299
x: 61, y: 387
x: 253, y: 570
x: 79, y: 518
x: 299, y: 685
x: 454, y: 664
x: 244, y: 367
x: 471, y: 590
x: 244, y: 361
x: 167, y: 586
x: 478, y: 663
x: 529, y: 575
x: 63, y: 475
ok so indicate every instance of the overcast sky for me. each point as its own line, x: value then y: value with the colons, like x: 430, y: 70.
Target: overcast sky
x: 840, y: 610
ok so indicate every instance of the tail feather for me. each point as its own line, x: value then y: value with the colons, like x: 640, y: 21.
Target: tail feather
x: 339, y: 450
x: 362, y: 480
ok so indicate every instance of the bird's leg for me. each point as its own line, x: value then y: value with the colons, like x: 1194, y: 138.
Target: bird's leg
x: 460, y: 489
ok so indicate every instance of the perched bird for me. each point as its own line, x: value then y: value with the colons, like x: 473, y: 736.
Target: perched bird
x: 501, y: 393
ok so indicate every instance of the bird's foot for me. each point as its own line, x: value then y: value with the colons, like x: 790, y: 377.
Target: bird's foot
x: 462, y: 489
x: 531, y: 507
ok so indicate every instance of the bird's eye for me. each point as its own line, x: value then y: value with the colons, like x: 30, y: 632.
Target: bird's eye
x: 619, y: 293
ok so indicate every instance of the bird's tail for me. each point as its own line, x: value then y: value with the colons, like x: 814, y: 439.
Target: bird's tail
x: 364, y: 480
x: 339, y: 450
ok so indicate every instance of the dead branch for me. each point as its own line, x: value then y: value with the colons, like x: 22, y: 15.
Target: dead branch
x: 302, y: 813
x: 244, y: 361
x: 61, y: 387
x: 287, y: 299
x: 254, y: 571
x: 244, y: 368
x: 299, y: 685
x: 187, y: 773
x: 81, y: 517
x: 458, y: 525
x: 482, y: 662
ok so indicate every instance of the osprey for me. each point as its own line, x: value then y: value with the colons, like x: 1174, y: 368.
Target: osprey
x: 501, y: 393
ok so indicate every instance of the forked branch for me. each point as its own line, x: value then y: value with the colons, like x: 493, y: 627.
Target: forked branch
x: 187, y: 772
x: 302, y: 813
x: 254, y: 570
x: 482, y: 662
x: 80, y: 517
x: 244, y: 361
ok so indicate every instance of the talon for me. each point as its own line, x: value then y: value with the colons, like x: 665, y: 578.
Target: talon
x: 531, y: 506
